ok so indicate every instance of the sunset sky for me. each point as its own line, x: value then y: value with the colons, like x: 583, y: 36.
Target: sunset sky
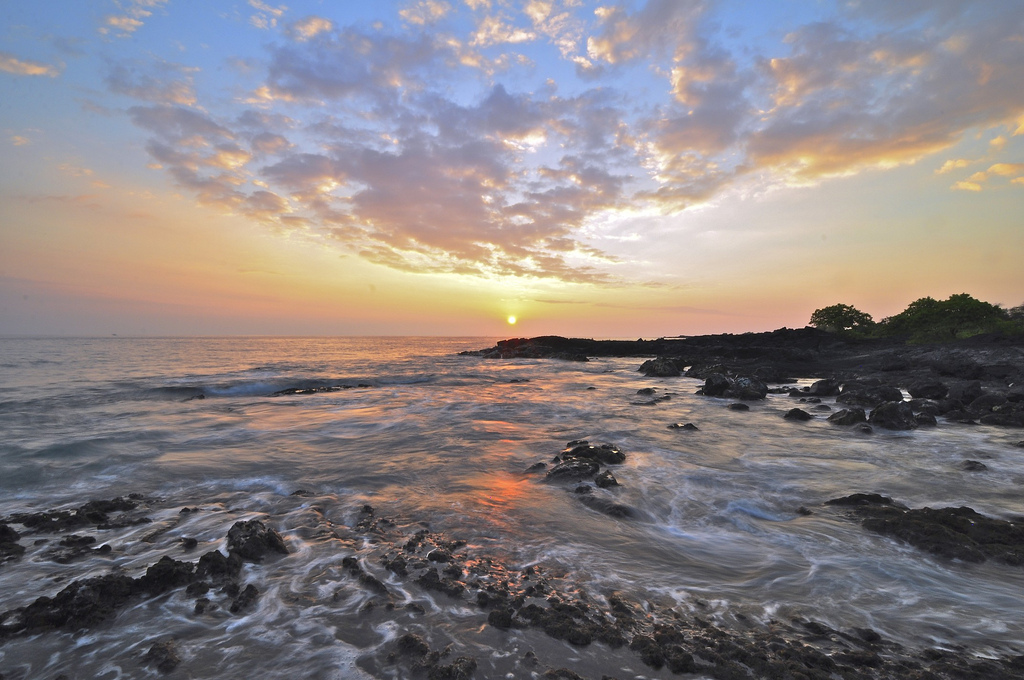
x: 431, y: 167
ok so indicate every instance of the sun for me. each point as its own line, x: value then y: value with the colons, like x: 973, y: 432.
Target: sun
x: 512, y: 320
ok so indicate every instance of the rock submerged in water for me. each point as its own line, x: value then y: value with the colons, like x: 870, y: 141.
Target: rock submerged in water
x: 955, y: 533
x: 848, y: 417
x: 745, y: 389
x: 573, y: 470
x: 798, y: 414
x: 252, y: 540
x: 893, y: 415
x: 604, y: 453
x: 91, y: 601
x: 661, y: 367
x: 163, y: 656
x: 868, y: 393
x: 10, y: 549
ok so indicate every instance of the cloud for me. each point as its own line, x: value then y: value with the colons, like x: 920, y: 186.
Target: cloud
x: 411, y: 147
x: 953, y: 164
x: 310, y: 27
x: 135, y: 12
x: 24, y: 67
x: 267, y: 16
x: 19, y: 140
x: 966, y: 186
x: 425, y: 12
x: 493, y: 30
x: 159, y: 82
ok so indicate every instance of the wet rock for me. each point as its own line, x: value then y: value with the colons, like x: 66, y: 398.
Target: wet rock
x: 71, y: 548
x: 537, y: 467
x: 461, y: 669
x: 216, y: 566
x: 925, y: 406
x: 928, y: 390
x: 252, y: 540
x: 822, y: 407
x: 646, y: 391
x: 605, y: 480
x: 605, y: 453
x: 163, y: 656
x: 861, y: 499
x: 683, y: 426
x: 562, y: 674
x: 81, y: 604
x: 867, y: 394
x: 95, y: 513
x: 925, y: 420
x: 166, y: 575
x: 431, y: 580
x: 573, y: 470
x: 738, y: 407
x: 661, y: 367
x: 715, y: 385
x: 893, y: 415
x: 810, y: 400
x: 973, y: 466
x: 648, y: 650
x: 244, y: 599
x: 1003, y: 419
x: 987, y: 402
x: 500, y: 618
x: 954, y: 533
x: 848, y: 417
x: 10, y: 549
x: 797, y: 414
x: 746, y: 389
x: 824, y: 388
x: 189, y: 543
x: 652, y: 402
x: 608, y: 507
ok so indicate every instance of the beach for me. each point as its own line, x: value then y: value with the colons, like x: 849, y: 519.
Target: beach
x: 391, y: 508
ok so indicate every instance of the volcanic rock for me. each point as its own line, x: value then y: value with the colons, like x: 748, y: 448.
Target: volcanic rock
x: 893, y: 415
x: 661, y: 367
x: 848, y: 417
x: 252, y: 540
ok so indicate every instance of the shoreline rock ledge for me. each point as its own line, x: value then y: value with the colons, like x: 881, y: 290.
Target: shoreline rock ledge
x: 973, y: 380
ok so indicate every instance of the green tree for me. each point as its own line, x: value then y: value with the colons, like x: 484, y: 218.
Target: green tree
x: 840, y: 318
x: 959, y: 316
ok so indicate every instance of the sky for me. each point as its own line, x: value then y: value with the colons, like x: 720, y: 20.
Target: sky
x: 433, y: 167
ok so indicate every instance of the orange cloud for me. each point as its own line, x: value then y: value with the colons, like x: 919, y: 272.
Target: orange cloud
x: 21, y: 67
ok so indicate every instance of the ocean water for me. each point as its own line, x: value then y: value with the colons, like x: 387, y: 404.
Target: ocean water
x: 432, y: 439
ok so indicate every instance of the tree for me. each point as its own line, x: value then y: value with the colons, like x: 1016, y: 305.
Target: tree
x: 840, y: 318
x: 959, y: 316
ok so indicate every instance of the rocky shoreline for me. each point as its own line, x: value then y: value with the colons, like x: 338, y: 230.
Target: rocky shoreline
x: 977, y: 380
x: 391, y: 558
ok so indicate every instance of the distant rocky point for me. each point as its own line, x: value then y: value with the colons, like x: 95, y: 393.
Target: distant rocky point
x: 977, y: 379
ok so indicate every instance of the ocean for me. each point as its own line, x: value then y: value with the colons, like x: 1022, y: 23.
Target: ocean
x: 304, y: 433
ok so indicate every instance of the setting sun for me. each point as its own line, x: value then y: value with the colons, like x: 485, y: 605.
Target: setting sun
x: 511, y: 319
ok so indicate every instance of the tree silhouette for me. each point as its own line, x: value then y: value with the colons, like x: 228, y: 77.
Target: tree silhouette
x: 840, y: 317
